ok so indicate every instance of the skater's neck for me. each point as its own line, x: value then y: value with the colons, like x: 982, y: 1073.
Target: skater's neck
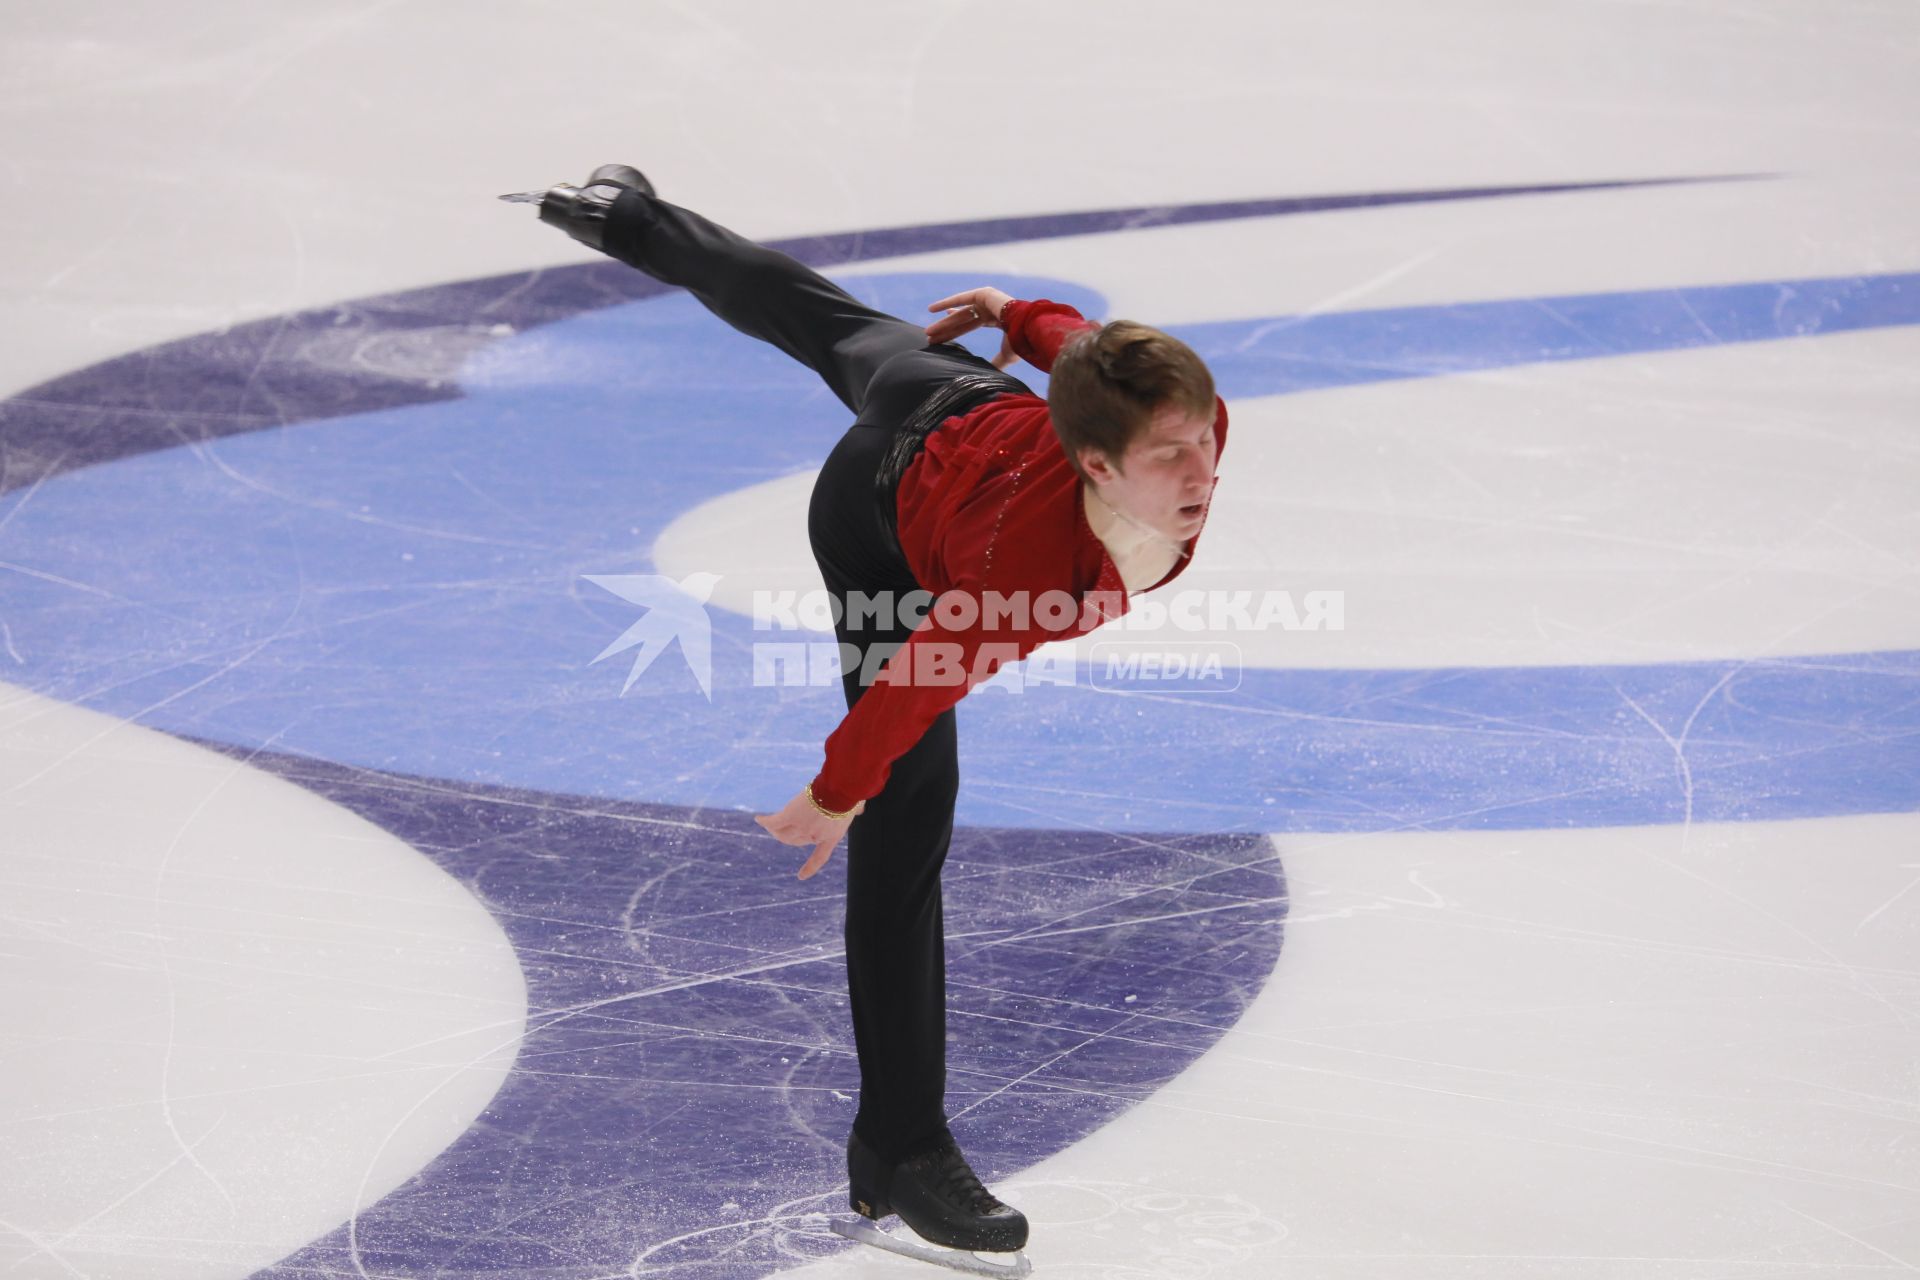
x: 1142, y: 554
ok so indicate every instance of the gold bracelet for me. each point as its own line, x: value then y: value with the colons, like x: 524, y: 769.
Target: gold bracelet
x: 821, y: 809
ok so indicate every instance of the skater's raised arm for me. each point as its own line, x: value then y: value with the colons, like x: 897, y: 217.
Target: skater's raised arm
x: 1035, y: 330
x: 967, y: 312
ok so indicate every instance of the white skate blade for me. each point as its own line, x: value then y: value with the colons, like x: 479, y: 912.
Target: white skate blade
x: 525, y: 197
x: 979, y: 1264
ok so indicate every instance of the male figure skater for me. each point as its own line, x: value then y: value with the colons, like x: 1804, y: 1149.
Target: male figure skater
x: 956, y: 480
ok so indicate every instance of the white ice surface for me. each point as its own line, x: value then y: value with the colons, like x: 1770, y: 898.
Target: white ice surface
x: 1527, y: 1054
x: 174, y: 168
x: 1652, y: 1051
x: 231, y: 1012
x: 1752, y: 500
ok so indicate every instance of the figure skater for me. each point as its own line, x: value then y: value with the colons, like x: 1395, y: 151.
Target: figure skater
x: 1020, y: 520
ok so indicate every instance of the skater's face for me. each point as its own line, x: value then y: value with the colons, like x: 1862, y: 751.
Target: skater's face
x: 1165, y: 478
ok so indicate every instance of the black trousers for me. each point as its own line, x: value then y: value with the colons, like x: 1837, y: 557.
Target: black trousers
x: 881, y: 368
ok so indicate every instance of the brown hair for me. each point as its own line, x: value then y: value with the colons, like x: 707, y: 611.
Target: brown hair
x: 1107, y: 383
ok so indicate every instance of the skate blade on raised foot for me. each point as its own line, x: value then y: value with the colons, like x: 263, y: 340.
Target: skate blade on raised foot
x: 866, y: 1231
x: 524, y: 197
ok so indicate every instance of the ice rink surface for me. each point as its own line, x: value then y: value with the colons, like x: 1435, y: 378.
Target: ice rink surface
x: 1554, y: 915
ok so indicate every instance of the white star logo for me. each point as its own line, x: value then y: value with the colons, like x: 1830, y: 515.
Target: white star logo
x: 675, y: 610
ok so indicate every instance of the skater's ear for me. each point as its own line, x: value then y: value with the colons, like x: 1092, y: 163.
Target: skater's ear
x: 1096, y: 466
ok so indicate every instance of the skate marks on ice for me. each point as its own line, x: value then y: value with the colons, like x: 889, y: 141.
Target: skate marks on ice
x: 413, y: 563
x: 1091, y: 1228
x: 408, y: 348
x: 1744, y: 501
x: 392, y: 350
x: 408, y: 575
x: 687, y: 1064
x: 1669, y: 1052
x: 419, y: 361
x: 903, y: 1240
x: 229, y: 1009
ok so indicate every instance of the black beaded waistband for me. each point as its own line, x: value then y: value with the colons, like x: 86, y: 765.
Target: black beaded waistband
x: 955, y: 397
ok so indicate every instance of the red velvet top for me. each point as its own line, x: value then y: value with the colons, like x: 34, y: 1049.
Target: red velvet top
x: 990, y: 504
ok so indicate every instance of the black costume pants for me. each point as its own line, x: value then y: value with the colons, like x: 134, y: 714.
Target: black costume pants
x: 882, y: 368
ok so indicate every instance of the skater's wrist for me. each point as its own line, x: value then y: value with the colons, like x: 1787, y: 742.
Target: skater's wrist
x: 823, y: 810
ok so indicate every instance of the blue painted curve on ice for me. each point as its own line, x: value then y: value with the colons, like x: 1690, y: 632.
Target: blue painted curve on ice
x: 403, y: 590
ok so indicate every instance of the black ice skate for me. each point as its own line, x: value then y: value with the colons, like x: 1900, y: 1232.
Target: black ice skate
x: 957, y: 1221
x: 581, y: 211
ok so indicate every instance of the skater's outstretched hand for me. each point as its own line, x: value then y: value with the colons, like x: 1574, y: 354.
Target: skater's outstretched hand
x: 967, y: 312
x: 801, y: 823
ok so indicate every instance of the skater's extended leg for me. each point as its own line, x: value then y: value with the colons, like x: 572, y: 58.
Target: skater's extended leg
x: 760, y: 291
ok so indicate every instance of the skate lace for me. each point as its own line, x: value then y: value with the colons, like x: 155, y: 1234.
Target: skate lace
x: 959, y: 1183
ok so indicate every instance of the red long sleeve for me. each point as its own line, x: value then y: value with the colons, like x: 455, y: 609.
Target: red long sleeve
x: 1038, y: 329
